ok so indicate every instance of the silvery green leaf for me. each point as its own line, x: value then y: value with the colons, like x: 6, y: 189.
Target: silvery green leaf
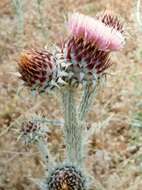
x: 60, y: 61
x: 31, y: 135
x: 70, y: 74
x: 61, y: 81
x: 63, y: 73
x: 53, y: 83
x: 95, y: 75
x: 94, y: 82
x: 84, y: 83
x: 33, y: 92
x: 66, y: 64
x: 36, y: 137
x: 57, y: 48
x: 81, y: 76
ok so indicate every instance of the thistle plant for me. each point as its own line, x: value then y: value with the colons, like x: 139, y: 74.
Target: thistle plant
x: 80, y: 62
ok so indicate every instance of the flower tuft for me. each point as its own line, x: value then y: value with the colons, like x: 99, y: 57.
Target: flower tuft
x: 110, y: 20
x: 36, y: 68
x: 66, y: 178
x: 95, y: 31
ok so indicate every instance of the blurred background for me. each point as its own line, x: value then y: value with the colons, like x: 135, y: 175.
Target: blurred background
x: 115, y: 149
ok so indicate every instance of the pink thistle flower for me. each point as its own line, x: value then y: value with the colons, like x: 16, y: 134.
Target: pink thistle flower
x: 105, y: 37
x: 89, y: 44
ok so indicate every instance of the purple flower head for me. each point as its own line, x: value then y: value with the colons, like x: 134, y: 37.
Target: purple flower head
x: 90, y: 42
x: 96, y: 32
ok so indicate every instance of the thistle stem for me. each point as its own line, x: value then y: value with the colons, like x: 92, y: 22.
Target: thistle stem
x: 41, y: 19
x: 72, y: 133
x: 43, y: 148
x: 20, y: 14
x: 86, y: 100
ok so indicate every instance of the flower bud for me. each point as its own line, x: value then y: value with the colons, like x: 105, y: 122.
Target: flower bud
x: 66, y: 178
x: 37, y: 69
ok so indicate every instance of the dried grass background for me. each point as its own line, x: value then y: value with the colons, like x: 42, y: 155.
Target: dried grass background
x: 115, y: 152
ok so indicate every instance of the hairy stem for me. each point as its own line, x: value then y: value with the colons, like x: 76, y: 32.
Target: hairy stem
x: 18, y: 5
x: 86, y: 101
x: 72, y: 133
x: 43, y: 148
x: 39, y: 6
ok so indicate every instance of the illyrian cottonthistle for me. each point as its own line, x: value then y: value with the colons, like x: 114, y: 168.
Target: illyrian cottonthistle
x: 82, y: 59
x: 66, y: 178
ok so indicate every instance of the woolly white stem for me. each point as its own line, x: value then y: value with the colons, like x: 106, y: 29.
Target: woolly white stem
x: 41, y: 19
x: 43, y: 148
x: 86, y: 101
x: 85, y: 104
x: 72, y: 133
x: 20, y: 14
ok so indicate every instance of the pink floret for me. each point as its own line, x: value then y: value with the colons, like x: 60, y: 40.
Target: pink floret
x: 92, y: 30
